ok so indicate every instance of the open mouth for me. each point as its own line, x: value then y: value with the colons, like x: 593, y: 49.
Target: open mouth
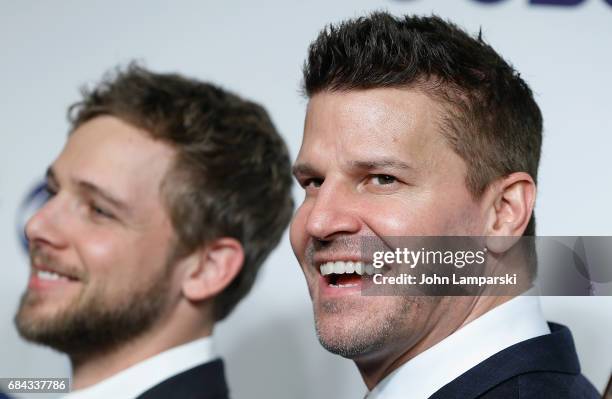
x: 345, y: 274
x: 52, y: 276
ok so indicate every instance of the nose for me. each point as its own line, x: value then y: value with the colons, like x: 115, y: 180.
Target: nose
x: 44, y: 225
x: 331, y: 214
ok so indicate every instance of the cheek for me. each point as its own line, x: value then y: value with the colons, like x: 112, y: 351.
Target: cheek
x: 101, y: 252
x: 458, y: 214
x: 426, y: 214
x: 401, y: 218
x: 114, y: 265
x: 108, y: 266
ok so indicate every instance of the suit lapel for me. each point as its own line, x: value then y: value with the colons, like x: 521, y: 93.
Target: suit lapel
x: 554, y: 352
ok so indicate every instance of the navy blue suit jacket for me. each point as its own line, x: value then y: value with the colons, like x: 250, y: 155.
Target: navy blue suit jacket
x: 544, y: 367
x: 206, y: 381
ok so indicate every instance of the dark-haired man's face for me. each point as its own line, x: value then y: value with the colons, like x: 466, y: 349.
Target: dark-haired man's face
x: 100, y: 246
x: 374, y: 163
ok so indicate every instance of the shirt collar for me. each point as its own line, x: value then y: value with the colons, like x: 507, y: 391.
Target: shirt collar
x: 512, y: 322
x: 142, y: 376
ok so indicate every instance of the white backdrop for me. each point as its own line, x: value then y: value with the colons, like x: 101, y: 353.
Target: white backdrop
x: 257, y: 48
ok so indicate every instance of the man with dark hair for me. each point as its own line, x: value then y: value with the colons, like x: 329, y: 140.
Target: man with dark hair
x: 415, y: 128
x: 164, y: 203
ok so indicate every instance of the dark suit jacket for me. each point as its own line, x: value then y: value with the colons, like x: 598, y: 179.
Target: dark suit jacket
x: 544, y: 367
x: 206, y: 381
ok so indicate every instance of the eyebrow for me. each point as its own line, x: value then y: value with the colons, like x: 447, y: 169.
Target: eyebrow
x: 92, y: 189
x: 381, y: 164
x: 302, y: 169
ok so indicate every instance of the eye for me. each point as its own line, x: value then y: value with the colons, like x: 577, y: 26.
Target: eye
x: 311, y: 183
x: 50, y: 190
x: 382, y: 180
x: 100, y: 212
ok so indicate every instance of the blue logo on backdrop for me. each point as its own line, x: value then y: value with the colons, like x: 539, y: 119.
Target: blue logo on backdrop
x: 31, y: 203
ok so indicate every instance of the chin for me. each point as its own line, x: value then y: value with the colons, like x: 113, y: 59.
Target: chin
x: 349, y: 341
x: 348, y: 333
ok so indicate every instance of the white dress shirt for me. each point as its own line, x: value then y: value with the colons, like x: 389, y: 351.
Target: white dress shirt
x: 512, y: 322
x: 142, y: 376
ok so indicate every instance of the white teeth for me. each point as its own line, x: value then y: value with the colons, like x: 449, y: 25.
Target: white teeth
x: 369, y: 269
x: 349, y: 267
x: 51, y: 276
x: 359, y: 268
x: 341, y: 267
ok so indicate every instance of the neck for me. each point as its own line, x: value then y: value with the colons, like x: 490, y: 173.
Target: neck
x: 92, y: 368
x: 374, y: 368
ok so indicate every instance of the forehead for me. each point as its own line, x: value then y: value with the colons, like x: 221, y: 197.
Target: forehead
x: 385, y: 122
x: 112, y: 154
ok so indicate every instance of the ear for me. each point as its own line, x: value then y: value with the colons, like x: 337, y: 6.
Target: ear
x: 513, y: 199
x: 218, y: 263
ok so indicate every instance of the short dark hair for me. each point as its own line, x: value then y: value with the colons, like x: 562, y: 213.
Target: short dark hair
x: 231, y: 176
x: 492, y: 121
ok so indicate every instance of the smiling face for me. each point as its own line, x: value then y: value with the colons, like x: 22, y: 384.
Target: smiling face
x: 101, y: 245
x: 374, y: 163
